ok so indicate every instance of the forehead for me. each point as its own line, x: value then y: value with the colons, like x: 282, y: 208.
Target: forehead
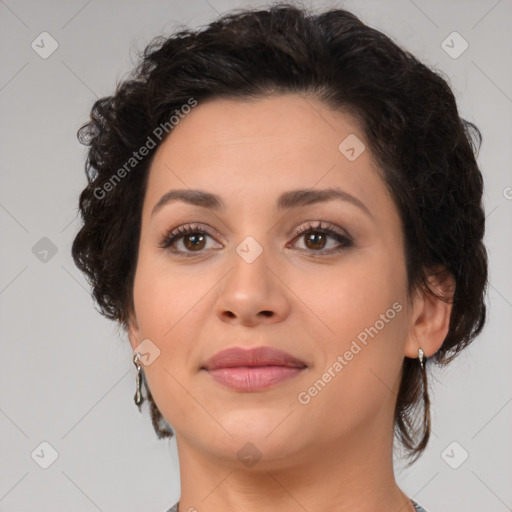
x: 256, y: 150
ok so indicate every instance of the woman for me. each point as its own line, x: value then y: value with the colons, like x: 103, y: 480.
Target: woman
x: 284, y: 213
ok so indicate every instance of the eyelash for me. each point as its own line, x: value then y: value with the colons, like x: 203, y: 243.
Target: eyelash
x: 177, y: 234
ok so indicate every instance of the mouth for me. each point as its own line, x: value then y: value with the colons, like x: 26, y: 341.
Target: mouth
x: 254, y: 369
x: 254, y: 378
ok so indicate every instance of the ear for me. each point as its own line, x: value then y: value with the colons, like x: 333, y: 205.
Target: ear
x: 133, y: 330
x: 430, y: 317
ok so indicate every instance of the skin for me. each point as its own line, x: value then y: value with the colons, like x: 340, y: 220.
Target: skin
x: 335, y: 452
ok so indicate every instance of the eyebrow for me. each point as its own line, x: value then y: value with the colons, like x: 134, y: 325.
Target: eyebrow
x: 287, y: 200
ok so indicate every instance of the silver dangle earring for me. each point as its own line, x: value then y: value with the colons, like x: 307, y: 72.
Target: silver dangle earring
x: 421, y: 356
x: 138, y: 394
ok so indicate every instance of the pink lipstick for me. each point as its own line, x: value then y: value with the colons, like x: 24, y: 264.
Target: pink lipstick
x: 253, y: 369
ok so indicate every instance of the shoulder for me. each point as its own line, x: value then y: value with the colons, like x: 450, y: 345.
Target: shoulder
x: 418, y: 508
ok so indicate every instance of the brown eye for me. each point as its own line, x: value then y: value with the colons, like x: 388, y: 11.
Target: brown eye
x: 195, y: 241
x: 188, y: 241
x: 315, y: 240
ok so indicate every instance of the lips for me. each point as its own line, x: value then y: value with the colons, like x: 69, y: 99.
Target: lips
x: 260, y: 356
x: 254, y: 369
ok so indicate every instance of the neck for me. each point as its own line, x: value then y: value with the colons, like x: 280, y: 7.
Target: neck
x: 354, y: 472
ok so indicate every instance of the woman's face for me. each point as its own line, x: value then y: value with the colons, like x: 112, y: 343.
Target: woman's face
x: 243, y: 277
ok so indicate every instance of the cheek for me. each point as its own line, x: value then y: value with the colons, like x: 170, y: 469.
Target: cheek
x: 344, y: 299
x: 164, y: 302
x: 163, y: 295
x: 361, y: 317
x: 360, y: 366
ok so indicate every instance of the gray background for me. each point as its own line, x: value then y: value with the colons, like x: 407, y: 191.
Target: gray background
x: 67, y: 376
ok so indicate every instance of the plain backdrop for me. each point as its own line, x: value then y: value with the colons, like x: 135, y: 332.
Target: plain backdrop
x: 66, y: 377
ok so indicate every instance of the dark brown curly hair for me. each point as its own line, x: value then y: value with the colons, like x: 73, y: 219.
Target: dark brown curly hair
x: 408, y: 114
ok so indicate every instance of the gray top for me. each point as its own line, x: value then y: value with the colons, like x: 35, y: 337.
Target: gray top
x: 418, y: 508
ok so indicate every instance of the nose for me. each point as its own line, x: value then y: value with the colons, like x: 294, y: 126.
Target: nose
x: 253, y: 292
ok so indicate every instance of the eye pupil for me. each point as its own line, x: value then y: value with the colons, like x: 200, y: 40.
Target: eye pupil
x: 198, y: 241
x: 315, y: 238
